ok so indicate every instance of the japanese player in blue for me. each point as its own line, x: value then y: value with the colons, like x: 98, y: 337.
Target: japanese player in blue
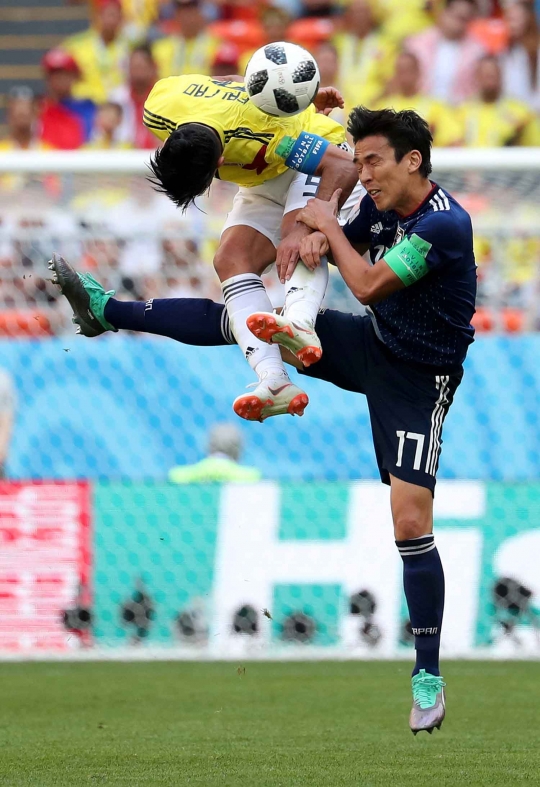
x: 405, y: 355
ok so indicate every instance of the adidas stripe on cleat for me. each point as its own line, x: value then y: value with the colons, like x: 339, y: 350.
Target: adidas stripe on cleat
x: 300, y: 339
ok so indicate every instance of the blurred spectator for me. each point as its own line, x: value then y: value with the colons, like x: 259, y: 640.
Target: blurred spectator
x: 318, y: 8
x: 448, y: 53
x: 7, y: 409
x: 273, y: 26
x: 404, y: 93
x: 66, y: 122
x: 491, y: 120
x: 142, y: 75
x: 327, y: 59
x: 101, y: 53
x: 400, y: 19
x: 106, y: 135
x: 366, y: 58
x: 225, y: 447
x: 521, y: 61
x: 21, y: 120
x: 226, y: 59
x: 192, y: 49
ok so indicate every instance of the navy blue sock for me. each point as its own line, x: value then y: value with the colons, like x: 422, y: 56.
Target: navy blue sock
x: 198, y: 321
x: 423, y: 582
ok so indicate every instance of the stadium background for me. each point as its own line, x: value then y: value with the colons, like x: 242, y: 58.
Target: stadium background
x: 100, y: 553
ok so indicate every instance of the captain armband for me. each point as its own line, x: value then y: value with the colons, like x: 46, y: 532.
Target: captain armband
x: 304, y: 153
x: 408, y: 259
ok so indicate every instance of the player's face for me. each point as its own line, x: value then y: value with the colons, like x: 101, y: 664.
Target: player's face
x: 385, y: 180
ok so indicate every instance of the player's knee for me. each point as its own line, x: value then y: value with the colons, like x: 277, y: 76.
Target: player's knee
x: 411, y: 524
x: 227, y: 264
x: 222, y: 263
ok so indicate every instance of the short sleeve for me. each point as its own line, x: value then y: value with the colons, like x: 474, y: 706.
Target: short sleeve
x: 442, y: 238
x: 358, y: 227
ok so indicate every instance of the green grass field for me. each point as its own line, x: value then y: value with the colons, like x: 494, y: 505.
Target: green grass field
x: 276, y: 724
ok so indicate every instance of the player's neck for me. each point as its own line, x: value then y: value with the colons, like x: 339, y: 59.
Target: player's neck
x: 414, y: 198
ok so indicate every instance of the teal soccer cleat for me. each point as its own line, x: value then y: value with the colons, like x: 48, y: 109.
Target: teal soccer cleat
x: 428, y: 708
x: 86, y: 297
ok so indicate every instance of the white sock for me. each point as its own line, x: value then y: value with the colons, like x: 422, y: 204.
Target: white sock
x: 245, y: 294
x: 305, y: 291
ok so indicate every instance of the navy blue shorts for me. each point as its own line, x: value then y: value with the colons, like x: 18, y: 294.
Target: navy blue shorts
x: 407, y: 403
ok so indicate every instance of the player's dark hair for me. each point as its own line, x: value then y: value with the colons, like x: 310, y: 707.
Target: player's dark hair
x: 184, y: 167
x: 405, y: 131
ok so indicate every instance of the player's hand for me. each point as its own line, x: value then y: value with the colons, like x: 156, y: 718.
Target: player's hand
x: 313, y: 248
x: 288, y: 251
x: 318, y: 213
x: 327, y: 99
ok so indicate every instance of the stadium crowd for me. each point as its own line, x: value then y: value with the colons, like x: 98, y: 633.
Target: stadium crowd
x: 470, y: 67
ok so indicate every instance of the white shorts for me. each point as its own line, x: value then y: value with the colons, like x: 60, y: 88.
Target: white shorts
x: 263, y: 207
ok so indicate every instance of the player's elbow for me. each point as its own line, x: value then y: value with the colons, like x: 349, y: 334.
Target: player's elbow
x: 365, y: 293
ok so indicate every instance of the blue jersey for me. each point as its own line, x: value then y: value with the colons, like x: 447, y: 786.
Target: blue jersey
x: 428, y: 322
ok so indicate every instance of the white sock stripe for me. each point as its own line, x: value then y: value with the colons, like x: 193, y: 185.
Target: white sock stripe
x: 420, y: 551
x: 417, y: 546
x: 230, y: 295
x: 429, y: 540
x: 226, y: 331
x: 415, y: 550
x: 252, y: 284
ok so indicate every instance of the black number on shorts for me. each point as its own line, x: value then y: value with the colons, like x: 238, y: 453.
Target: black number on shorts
x: 311, y: 180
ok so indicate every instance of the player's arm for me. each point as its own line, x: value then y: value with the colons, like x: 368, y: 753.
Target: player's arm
x: 401, y: 266
x: 313, y: 155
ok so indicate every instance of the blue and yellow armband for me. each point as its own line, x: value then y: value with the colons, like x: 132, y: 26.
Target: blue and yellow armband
x: 408, y: 259
x: 303, y: 153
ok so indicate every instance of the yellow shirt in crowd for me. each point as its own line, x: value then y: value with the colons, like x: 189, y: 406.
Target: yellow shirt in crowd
x: 176, y: 55
x: 103, y: 67
x: 365, y: 66
x: 400, y: 19
x: 249, y: 137
x: 504, y: 122
x: 441, y: 118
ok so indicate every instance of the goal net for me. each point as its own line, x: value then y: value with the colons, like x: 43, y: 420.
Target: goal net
x: 103, y: 557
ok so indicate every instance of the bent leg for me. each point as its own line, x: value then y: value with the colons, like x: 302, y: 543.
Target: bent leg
x: 242, y: 256
x: 196, y: 321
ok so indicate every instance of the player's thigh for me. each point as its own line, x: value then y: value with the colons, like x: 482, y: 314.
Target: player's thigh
x: 412, y: 509
x: 243, y: 249
x: 407, y: 410
x: 261, y: 209
x: 344, y: 338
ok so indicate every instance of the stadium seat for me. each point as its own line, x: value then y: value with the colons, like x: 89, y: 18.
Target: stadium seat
x: 17, y: 324
x: 246, y: 34
x: 311, y: 32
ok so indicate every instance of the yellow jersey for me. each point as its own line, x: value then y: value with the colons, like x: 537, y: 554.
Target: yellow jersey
x: 103, y: 67
x: 250, y: 138
x: 504, y: 122
x: 176, y: 55
x: 365, y: 66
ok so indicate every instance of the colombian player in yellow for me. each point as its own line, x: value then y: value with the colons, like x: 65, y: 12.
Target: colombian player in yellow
x: 211, y: 129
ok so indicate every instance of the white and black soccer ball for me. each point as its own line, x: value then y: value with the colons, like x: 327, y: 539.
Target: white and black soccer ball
x: 282, y: 79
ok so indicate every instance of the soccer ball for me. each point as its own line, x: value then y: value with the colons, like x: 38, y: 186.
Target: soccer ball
x: 282, y: 79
